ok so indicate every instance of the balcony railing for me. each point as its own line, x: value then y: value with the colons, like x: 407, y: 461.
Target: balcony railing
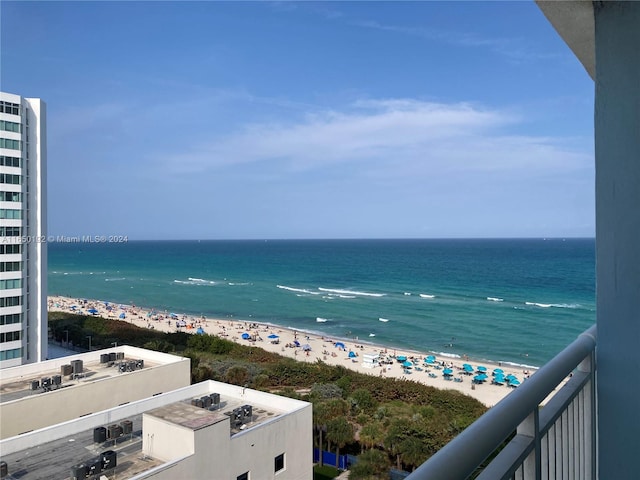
x: 556, y: 441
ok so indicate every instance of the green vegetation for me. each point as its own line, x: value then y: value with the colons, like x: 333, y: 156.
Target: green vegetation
x: 383, y: 420
x: 325, y: 472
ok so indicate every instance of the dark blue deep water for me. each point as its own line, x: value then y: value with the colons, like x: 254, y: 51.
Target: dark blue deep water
x: 517, y: 301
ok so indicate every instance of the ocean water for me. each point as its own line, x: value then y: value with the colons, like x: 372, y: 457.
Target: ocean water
x: 519, y: 301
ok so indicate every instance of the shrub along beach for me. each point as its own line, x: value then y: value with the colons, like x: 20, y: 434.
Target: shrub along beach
x: 392, y: 421
x: 366, y: 358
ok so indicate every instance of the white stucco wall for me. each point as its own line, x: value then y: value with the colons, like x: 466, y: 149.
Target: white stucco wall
x: 50, y: 408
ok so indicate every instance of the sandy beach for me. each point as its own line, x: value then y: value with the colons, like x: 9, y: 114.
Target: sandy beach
x: 305, y: 347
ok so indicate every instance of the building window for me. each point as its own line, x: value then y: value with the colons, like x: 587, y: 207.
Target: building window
x: 10, y: 214
x: 10, y: 126
x: 10, y: 301
x: 10, y: 248
x: 11, y: 283
x: 10, y: 319
x: 9, y: 354
x: 10, y: 266
x: 279, y: 463
x: 244, y: 476
x: 10, y: 197
x: 11, y: 144
x: 10, y: 179
x: 10, y: 336
x: 7, y: 161
x: 9, y: 107
x: 9, y: 231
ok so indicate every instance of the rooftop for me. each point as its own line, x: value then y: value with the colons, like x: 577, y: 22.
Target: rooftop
x: 93, y: 370
x: 30, y: 456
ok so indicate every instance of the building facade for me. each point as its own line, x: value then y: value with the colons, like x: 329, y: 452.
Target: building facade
x: 23, y: 230
x: 146, y: 422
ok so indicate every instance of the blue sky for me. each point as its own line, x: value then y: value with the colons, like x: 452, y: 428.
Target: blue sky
x: 213, y: 120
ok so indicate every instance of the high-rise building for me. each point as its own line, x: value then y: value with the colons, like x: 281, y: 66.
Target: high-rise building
x: 23, y: 230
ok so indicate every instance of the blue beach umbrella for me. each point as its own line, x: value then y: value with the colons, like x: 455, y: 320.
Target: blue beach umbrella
x: 514, y: 383
x: 339, y: 345
x: 430, y: 359
x: 296, y: 343
x: 407, y: 364
x: 497, y: 370
x: 352, y: 354
x: 511, y: 377
x: 246, y: 336
x: 273, y: 335
x: 401, y: 358
x: 92, y: 311
x: 200, y: 331
x: 481, y: 368
x: 447, y: 371
x: 306, y: 347
x: 122, y: 315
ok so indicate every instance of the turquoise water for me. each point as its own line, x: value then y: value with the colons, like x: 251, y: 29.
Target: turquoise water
x: 518, y: 301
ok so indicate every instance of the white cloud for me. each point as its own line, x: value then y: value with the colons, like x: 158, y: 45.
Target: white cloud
x: 392, y: 137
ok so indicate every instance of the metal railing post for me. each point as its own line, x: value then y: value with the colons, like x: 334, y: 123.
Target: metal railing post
x: 561, y: 425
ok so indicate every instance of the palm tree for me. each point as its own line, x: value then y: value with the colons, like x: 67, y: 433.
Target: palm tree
x: 372, y: 464
x: 413, y: 452
x: 371, y: 434
x: 340, y: 432
x: 396, y: 433
x: 321, y: 415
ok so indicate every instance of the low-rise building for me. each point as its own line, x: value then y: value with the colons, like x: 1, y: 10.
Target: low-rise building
x: 210, y: 430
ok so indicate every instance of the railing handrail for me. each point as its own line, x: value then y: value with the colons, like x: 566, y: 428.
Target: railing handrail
x: 462, y: 456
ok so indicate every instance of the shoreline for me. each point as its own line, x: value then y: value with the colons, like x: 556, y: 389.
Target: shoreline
x: 350, y: 353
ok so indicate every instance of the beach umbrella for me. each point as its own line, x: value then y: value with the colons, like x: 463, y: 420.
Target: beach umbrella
x: 480, y: 378
x: 407, y: 364
x: 497, y: 370
x: 467, y: 368
x: 352, y: 354
x: 511, y: 377
x: 480, y: 368
x: 73, y: 307
x: 306, y: 347
x: 173, y: 315
x: 339, y: 345
x: 122, y: 315
x: 514, y: 383
x: 246, y: 336
x: 447, y: 371
x: 430, y: 359
x: 92, y: 311
x: 200, y: 331
x: 401, y: 358
x: 273, y: 335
